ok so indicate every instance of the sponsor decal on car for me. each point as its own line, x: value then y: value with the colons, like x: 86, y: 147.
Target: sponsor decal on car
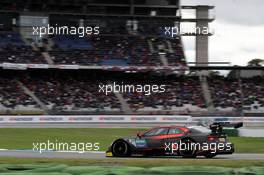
x: 141, y: 143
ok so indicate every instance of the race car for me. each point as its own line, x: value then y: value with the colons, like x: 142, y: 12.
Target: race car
x: 187, y: 142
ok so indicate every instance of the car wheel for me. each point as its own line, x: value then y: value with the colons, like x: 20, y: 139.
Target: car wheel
x: 120, y: 149
x: 187, y: 149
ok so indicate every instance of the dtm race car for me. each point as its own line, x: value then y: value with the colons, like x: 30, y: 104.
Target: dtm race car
x: 187, y: 142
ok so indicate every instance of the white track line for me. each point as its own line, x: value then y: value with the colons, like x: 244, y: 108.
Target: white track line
x: 49, y: 151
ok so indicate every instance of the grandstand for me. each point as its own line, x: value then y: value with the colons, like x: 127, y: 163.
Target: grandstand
x: 76, y: 92
x: 60, y: 74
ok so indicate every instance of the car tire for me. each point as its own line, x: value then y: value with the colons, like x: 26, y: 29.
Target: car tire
x: 188, y: 153
x: 120, y: 149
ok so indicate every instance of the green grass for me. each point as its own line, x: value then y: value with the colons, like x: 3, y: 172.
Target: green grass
x: 134, y: 162
x: 23, y: 138
x: 248, y: 144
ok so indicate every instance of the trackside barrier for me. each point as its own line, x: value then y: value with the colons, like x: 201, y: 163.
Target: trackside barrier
x: 96, y: 119
x: 229, y: 119
x: 248, y: 132
x: 183, y: 119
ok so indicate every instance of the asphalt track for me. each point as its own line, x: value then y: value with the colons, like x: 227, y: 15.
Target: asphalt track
x: 101, y: 155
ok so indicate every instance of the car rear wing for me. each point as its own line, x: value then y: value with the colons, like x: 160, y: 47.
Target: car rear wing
x: 217, y: 128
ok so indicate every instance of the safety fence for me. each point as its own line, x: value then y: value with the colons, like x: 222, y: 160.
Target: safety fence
x: 183, y: 119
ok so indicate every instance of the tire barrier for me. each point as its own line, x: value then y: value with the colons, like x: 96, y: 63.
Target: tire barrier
x: 53, y: 169
x: 34, y: 173
x: 77, y: 170
x: 183, y: 170
x: 251, y: 170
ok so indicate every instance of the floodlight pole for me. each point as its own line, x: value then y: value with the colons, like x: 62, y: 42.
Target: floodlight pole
x: 202, y: 21
x: 202, y: 47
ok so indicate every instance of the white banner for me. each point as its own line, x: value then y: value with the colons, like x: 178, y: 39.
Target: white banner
x: 14, y: 66
x: 96, y: 119
x: 125, y: 119
x: 229, y: 119
x: 38, y: 66
x: 61, y: 66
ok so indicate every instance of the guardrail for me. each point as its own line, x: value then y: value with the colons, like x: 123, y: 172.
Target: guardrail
x: 182, y: 119
x: 96, y: 119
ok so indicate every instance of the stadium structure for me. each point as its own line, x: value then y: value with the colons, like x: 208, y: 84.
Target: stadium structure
x: 60, y: 73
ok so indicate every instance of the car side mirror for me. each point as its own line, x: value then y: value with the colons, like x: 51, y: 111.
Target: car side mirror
x: 139, y: 135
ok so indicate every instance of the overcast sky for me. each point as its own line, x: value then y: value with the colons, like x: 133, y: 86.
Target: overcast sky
x: 239, y: 31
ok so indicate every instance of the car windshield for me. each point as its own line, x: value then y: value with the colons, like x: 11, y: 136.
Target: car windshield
x: 175, y: 131
x: 156, y: 131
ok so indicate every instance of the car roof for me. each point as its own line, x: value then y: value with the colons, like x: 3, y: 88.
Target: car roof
x: 200, y: 128
x: 183, y: 128
x: 169, y: 127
